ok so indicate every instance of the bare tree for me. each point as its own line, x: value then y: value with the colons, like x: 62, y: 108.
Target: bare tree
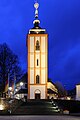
x: 61, y: 90
x: 9, y: 63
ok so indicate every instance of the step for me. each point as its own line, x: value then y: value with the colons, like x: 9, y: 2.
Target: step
x: 37, y: 108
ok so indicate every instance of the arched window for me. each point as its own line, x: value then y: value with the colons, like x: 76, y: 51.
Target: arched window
x: 37, y: 45
x: 37, y: 79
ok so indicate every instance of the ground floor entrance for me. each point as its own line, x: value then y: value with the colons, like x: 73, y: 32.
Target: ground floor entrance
x: 37, y: 96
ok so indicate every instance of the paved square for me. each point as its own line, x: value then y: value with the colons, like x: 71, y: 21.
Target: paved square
x: 39, y: 118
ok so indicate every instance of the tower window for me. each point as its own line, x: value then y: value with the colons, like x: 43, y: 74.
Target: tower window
x: 37, y: 79
x: 37, y: 62
x: 37, y: 45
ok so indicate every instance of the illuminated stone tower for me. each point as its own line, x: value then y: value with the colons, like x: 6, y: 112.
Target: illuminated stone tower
x: 37, y: 60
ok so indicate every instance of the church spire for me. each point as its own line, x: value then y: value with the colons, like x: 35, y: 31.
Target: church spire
x: 36, y: 6
x: 36, y: 22
x: 36, y: 29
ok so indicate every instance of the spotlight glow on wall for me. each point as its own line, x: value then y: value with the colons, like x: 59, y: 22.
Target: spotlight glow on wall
x: 1, y: 107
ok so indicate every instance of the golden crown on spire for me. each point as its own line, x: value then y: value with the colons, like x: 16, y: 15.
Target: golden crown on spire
x: 36, y: 5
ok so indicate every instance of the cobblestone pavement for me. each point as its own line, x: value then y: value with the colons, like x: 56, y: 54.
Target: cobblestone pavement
x: 39, y: 118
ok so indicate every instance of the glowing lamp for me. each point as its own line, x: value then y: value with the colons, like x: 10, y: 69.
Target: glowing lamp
x: 21, y: 83
x: 1, y: 107
x: 16, y: 90
x: 10, y: 88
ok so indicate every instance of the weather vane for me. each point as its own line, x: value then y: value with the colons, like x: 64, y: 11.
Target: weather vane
x: 36, y: 5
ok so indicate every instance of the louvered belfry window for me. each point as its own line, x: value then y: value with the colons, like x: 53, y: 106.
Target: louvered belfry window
x: 37, y: 45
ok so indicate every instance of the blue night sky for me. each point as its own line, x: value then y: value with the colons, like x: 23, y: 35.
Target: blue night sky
x: 61, y: 18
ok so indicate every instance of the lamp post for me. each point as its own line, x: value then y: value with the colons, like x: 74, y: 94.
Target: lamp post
x: 21, y: 84
x: 10, y: 91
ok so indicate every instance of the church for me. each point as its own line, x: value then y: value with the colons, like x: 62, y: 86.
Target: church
x: 36, y: 85
x: 37, y: 43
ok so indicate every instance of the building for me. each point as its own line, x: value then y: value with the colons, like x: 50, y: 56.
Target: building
x: 78, y: 92
x: 38, y: 86
x: 37, y: 42
x: 52, y: 91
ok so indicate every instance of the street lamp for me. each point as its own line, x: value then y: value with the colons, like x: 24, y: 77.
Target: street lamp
x: 10, y: 90
x: 16, y: 89
x: 21, y: 84
x: 1, y: 107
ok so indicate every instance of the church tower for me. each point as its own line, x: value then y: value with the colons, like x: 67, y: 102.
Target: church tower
x: 37, y: 60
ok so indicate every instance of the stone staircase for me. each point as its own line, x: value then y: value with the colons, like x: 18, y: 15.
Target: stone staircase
x: 37, y: 107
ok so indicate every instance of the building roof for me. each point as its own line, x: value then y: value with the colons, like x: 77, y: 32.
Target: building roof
x: 78, y: 84
x: 49, y: 80
x: 22, y: 91
x: 37, y: 29
x: 23, y: 79
x: 49, y: 91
